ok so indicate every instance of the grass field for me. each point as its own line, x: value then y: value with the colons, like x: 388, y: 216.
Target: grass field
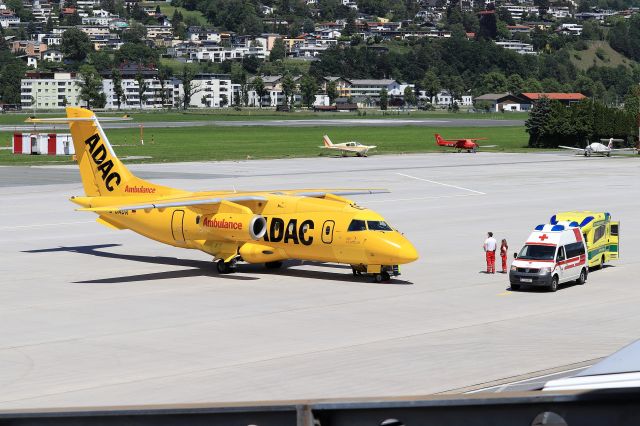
x: 230, y: 114
x: 240, y: 143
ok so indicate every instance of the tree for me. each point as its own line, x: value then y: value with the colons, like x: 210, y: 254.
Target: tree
x: 494, y: 82
x: 142, y: 88
x: 75, y: 45
x: 288, y: 89
x: 258, y: 87
x: 135, y: 34
x: 350, y: 26
x: 164, y: 73
x: 332, y: 92
x: 632, y: 102
x: 430, y: 84
x: 536, y: 124
x: 384, y: 99
x: 515, y: 84
x: 91, y: 87
x: 10, y: 78
x: 308, y: 88
x: 239, y: 76
x: 307, y: 26
x: 278, y: 51
x: 409, y: 96
x: 188, y: 88
x: 118, y: 91
x: 488, y: 24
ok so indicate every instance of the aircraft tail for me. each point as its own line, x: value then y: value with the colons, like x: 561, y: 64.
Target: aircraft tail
x: 101, y: 171
x: 439, y: 139
x: 327, y: 141
x: 610, y: 143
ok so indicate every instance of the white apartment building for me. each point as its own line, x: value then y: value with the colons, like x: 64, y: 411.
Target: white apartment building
x: 211, y: 91
x: 372, y: 88
x: 517, y: 12
x: 517, y: 46
x: 151, y: 97
x: 7, y: 17
x: 444, y: 99
x: 49, y: 90
x: 216, y: 53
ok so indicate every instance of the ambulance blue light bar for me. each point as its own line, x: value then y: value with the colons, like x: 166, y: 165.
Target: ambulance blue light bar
x: 586, y: 220
x: 539, y: 227
x: 558, y: 228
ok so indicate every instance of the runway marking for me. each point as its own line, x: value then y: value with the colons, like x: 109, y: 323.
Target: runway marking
x: 421, y: 198
x: 443, y: 184
x: 39, y: 225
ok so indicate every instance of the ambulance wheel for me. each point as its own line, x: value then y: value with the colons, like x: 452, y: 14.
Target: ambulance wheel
x: 602, y: 262
x: 225, y: 267
x: 553, y: 287
x: 515, y: 286
x: 273, y: 265
x: 582, y: 278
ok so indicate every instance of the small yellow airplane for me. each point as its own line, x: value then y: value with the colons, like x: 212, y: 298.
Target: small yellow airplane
x: 256, y: 227
x: 346, y: 147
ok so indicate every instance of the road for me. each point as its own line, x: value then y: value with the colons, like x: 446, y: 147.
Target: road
x: 93, y: 316
x: 463, y: 122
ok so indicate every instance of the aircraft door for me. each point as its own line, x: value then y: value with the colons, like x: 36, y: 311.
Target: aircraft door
x: 327, y: 231
x: 614, y: 241
x: 34, y: 144
x: 177, y: 223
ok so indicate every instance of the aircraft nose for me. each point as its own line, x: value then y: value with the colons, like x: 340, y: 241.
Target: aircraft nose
x: 390, y: 248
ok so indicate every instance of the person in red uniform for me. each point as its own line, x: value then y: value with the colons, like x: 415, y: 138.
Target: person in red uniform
x: 490, y: 245
x: 504, y: 248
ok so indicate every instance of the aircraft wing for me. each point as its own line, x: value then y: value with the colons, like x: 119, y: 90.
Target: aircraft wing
x: 624, y: 149
x: 472, y: 139
x: 573, y: 148
x: 204, y: 204
x: 321, y: 193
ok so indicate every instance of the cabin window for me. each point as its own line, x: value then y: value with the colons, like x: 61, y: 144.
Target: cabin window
x: 378, y: 225
x: 574, y: 250
x: 357, y: 225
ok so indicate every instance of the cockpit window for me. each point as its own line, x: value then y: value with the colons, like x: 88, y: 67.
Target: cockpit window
x: 357, y: 225
x: 378, y: 225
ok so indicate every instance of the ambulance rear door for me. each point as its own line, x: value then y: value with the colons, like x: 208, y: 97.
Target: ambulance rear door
x: 614, y: 241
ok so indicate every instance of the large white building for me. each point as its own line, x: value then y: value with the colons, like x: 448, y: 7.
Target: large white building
x: 49, y: 90
x: 211, y: 91
x: 517, y: 46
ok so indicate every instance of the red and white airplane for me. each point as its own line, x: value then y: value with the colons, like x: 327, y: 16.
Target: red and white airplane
x: 468, y: 144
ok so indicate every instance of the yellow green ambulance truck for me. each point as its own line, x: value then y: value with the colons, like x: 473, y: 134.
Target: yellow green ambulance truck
x: 601, y: 234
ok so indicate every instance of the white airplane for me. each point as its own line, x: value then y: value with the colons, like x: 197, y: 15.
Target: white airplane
x: 600, y: 149
x: 346, y: 147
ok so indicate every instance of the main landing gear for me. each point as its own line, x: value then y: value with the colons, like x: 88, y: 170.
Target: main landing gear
x: 378, y: 277
x: 226, y: 267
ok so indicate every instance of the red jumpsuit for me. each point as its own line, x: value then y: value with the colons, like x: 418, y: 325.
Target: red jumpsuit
x: 491, y: 262
x: 503, y: 255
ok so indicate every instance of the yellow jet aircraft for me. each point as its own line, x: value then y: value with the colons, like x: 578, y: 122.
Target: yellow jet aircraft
x: 256, y: 227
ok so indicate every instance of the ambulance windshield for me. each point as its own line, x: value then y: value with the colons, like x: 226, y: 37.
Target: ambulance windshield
x: 535, y: 252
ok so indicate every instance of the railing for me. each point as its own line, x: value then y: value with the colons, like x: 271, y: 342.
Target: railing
x: 584, y: 408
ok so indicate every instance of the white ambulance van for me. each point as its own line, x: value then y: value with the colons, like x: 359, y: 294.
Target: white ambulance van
x: 553, y: 254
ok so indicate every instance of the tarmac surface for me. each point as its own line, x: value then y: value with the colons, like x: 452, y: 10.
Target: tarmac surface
x: 390, y: 122
x: 91, y: 316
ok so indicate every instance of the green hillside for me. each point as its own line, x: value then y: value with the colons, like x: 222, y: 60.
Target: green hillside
x: 599, y: 54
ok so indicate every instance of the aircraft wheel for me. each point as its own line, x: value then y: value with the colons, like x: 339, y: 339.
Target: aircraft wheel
x: 608, y: 154
x: 273, y: 265
x: 385, y: 276
x: 378, y: 278
x: 587, y: 153
x: 225, y: 267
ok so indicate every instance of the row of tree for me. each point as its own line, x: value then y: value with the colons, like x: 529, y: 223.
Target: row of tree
x: 551, y: 123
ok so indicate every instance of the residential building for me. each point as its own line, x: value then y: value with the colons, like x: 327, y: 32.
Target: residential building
x: 212, y: 91
x: 444, y: 99
x: 498, y: 102
x: 152, y: 95
x: 573, y: 29
x: 52, y: 55
x: 8, y: 18
x: 49, y: 90
x: 517, y: 12
x: 371, y: 88
x: 27, y: 47
x: 517, y: 46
